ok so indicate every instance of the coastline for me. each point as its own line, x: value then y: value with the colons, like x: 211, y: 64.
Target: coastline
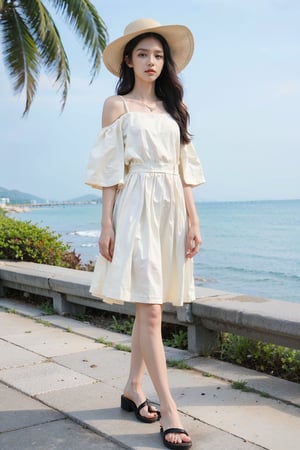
x: 15, y: 208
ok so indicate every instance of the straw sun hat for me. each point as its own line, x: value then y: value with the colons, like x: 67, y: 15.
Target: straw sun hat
x: 179, y: 38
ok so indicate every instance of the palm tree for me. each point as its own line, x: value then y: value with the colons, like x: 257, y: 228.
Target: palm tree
x: 31, y: 41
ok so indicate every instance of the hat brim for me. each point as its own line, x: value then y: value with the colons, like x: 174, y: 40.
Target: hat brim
x: 179, y: 38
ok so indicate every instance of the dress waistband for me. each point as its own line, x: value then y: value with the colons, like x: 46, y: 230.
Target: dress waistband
x: 153, y: 168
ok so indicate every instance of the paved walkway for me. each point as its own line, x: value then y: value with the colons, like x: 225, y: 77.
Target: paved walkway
x: 60, y: 389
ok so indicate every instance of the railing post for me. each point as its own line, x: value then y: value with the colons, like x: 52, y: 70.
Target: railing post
x: 61, y: 306
x: 201, y: 340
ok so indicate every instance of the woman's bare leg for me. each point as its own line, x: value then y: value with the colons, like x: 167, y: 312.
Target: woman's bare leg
x: 133, y: 389
x: 148, y: 328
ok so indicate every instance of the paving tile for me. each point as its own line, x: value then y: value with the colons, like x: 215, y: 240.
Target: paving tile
x: 19, y: 411
x: 12, y: 324
x: 21, y: 307
x: 51, y: 341
x: 103, y: 365
x: 108, y: 365
x: 86, y: 329
x: 59, y: 435
x: 274, y: 386
x: 13, y: 356
x: 43, y: 377
x: 175, y: 354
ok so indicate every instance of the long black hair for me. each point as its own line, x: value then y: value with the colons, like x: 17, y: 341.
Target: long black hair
x: 168, y: 87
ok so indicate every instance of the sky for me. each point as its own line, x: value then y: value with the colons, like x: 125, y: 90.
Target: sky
x: 242, y: 89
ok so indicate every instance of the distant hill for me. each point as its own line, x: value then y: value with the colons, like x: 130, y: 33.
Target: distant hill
x: 86, y: 198
x: 18, y: 197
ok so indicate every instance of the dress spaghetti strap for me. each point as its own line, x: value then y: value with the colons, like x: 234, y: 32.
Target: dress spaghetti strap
x: 124, y: 103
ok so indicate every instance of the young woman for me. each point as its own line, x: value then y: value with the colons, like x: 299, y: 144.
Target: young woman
x: 146, y: 165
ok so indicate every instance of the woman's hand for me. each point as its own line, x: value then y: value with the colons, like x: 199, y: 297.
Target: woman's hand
x: 107, y: 242
x: 193, y: 241
x: 107, y: 236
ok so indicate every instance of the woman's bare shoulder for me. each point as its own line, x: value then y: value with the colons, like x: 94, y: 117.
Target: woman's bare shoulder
x: 113, y: 108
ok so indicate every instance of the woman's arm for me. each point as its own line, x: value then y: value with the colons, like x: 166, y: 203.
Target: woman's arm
x: 107, y: 236
x: 112, y: 109
x: 193, y: 239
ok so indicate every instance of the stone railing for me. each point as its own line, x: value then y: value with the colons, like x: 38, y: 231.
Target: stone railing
x: 213, y: 311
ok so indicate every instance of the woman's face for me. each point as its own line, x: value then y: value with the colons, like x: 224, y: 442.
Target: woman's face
x: 147, y: 59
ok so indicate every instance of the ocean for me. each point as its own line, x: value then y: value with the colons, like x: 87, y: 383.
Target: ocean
x: 248, y: 247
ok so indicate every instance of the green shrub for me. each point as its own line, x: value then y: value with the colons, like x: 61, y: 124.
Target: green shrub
x: 24, y: 241
x: 2, y: 212
x: 273, y: 359
x: 122, y: 325
x: 178, y: 340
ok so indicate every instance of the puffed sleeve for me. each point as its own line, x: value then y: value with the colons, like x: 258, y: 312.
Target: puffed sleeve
x: 190, y: 167
x: 106, y: 160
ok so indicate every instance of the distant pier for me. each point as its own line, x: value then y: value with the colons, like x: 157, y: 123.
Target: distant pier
x: 26, y: 207
x: 62, y: 203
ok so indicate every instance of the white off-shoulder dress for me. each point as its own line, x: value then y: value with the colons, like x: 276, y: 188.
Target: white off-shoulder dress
x: 142, y: 154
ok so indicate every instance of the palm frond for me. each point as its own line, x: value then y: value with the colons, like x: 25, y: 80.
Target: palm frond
x: 21, y: 54
x: 33, y: 11
x: 31, y: 40
x: 47, y: 38
x: 87, y: 23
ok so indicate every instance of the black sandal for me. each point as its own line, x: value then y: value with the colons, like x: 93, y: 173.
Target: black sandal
x: 129, y: 405
x: 172, y: 445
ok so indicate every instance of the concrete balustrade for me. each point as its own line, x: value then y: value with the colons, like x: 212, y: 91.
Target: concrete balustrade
x: 213, y: 311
